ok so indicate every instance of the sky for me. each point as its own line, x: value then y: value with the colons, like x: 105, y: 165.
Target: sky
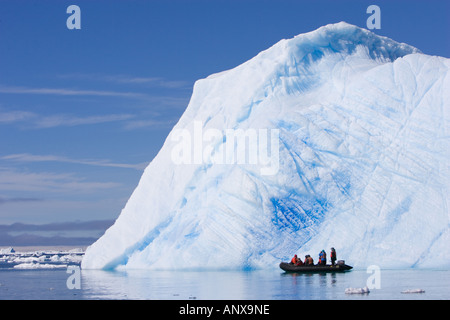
x: 83, y: 111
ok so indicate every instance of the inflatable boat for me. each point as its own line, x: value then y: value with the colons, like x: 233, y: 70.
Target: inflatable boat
x: 339, y: 267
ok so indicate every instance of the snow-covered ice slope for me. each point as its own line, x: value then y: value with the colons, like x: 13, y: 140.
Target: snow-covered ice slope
x: 363, y: 163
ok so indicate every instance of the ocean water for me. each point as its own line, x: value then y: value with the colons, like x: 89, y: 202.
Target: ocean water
x: 221, y: 285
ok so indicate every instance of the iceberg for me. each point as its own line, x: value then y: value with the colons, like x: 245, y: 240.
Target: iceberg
x: 341, y: 139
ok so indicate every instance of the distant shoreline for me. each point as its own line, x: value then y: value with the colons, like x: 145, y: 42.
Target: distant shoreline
x: 44, y: 248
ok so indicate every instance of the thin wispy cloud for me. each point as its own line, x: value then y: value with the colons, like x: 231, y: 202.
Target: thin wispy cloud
x: 150, y: 123
x: 37, y: 121
x: 15, y: 116
x: 4, y: 200
x: 71, y: 121
x: 175, y: 101
x: 31, y: 120
x: 129, y: 79
x: 47, y: 182
x: 70, y: 92
x: 26, y: 157
x: 153, y: 82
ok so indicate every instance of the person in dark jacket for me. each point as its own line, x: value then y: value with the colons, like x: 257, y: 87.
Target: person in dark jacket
x: 333, y: 256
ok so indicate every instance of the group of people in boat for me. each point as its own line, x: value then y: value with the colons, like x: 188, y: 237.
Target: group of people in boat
x: 309, y: 261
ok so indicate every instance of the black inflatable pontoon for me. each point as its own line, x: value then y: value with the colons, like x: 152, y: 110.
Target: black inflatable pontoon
x: 290, y: 267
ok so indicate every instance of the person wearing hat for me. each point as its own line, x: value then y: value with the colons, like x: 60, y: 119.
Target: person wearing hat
x: 296, y: 261
x: 322, y: 258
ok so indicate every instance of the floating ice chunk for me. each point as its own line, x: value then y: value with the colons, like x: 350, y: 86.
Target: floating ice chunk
x: 7, y: 250
x: 76, y: 250
x: 39, y: 266
x: 413, y: 291
x: 357, y: 290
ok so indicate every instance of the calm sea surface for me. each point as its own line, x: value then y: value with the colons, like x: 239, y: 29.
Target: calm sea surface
x: 220, y: 285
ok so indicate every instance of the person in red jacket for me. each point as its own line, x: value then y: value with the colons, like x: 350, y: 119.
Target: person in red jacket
x: 296, y: 261
x: 333, y: 256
